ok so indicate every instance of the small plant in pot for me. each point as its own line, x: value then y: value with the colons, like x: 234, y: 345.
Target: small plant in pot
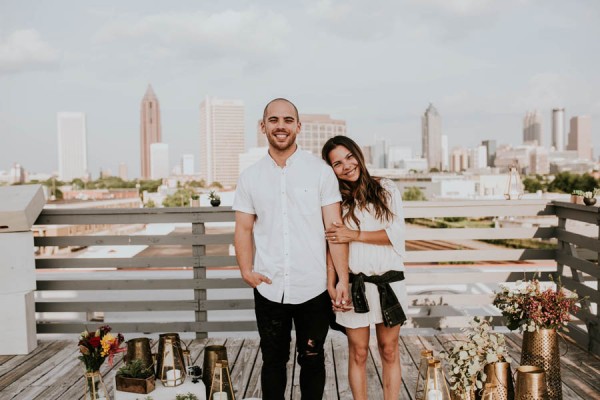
x: 589, y: 198
x: 195, y: 200
x: 215, y: 199
x: 135, y: 377
x: 577, y: 196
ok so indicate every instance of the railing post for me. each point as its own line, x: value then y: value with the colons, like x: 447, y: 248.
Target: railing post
x: 199, y: 251
x: 19, y: 208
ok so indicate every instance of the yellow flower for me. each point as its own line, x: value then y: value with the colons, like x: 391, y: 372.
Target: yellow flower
x: 106, y: 342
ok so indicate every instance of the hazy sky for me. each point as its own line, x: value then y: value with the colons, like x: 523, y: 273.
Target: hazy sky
x: 377, y: 64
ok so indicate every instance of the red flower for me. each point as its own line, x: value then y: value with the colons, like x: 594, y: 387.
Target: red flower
x: 95, y: 341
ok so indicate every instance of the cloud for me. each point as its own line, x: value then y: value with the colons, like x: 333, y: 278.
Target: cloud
x: 24, y: 50
x: 355, y: 19
x: 229, y: 34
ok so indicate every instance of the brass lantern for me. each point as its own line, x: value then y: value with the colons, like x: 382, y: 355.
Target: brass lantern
x: 514, y: 188
x: 435, y: 387
x: 170, y: 368
x: 426, y: 355
x: 221, y: 387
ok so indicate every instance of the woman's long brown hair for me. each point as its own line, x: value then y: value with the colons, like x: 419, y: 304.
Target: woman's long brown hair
x: 366, y: 190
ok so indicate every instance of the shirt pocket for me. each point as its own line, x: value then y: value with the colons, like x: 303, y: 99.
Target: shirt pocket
x: 306, y: 201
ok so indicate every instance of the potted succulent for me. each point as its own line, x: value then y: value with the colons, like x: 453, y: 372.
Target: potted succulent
x: 589, y: 198
x: 195, y: 200
x: 134, y: 377
x: 215, y: 199
x: 577, y: 196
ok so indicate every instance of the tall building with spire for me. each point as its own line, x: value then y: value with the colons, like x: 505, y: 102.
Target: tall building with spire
x: 532, y: 127
x: 150, y: 130
x: 431, y: 129
x: 221, y: 140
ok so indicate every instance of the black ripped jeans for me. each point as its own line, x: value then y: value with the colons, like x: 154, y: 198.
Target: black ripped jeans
x: 311, y: 320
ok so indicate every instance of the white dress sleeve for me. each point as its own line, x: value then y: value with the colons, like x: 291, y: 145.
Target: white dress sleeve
x: 396, y: 229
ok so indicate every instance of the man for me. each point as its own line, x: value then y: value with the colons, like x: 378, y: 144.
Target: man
x: 283, y: 204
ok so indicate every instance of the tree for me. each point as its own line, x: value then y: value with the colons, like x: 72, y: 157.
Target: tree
x: 413, y: 193
x: 532, y: 184
x: 566, y: 182
x: 216, y: 184
x: 150, y: 204
x: 181, y: 198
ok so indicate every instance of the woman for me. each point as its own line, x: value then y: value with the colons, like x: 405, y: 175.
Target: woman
x: 373, y: 225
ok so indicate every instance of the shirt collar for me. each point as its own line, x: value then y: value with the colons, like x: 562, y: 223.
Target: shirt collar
x: 291, y: 159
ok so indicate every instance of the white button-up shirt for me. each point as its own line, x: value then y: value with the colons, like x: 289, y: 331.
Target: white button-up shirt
x: 289, y: 235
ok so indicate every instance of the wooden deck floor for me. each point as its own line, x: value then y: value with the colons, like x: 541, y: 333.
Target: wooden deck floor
x: 52, y: 371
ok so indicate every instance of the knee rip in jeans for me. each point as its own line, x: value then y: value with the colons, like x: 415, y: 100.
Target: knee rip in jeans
x: 311, y: 348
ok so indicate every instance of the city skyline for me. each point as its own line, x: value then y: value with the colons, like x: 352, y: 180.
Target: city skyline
x: 375, y: 65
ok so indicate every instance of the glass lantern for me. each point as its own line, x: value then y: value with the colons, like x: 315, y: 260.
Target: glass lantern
x: 221, y: 387
x: 426, y: 355
x: 514, y: 188
x: 435, y: 383
x: 171, y: 365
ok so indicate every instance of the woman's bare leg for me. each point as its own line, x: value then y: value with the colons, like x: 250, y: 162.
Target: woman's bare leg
x: 387, y: 342
x: 358, y: 351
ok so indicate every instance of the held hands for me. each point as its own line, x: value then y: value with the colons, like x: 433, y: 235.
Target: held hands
x: 339, y: 233
x: 340, y: 300
x: 253, y: 279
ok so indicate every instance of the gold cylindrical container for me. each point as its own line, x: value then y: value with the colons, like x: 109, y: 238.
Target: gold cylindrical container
x: 212, y: 354
x: 139, y: 349
x: 540, y: 349
x: 490, y: 392
x: 531, y: 383
x: 499, y: 374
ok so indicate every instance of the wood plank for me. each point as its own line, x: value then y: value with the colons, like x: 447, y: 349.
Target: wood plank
x: 577, y: 212
x: 142, y: 284
x: 136, y: 262
x: 478, y: 255
x: 331, y: 392
x: 253, y: 387
x: 410, y: 353
x: 215, y: 326
x: 128, y: 240
x: 244, y: 364
x: 340, y: 359
x: 585, y: 266
x: 163, y: 305
x: 590, y: 243
x: 10, y: 369
x: 103, y: 216
x: 478, y: 233
x: 476, y: 208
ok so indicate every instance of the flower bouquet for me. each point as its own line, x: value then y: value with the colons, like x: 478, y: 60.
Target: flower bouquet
x: 467, y: 360
x: 528, y: 307
x: 95, y: 347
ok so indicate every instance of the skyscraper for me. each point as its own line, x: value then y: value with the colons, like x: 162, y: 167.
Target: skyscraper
x: 187, y: 164
x: 431, y: 124
x: 316, y: 130
x: 72, y: 145
x: 558, y: 129
x: 221, y: 140
x: 580, y: 136
x: 150, y: 131
x: 159, y: 165
x: 490, y: 146
x: 532, y: 127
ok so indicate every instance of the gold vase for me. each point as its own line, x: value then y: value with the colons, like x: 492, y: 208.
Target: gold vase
x: 531, y: 383
x: 540, y: 349
x: 499, y: 375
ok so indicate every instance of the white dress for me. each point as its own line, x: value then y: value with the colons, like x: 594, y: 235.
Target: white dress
x: 372, y: 259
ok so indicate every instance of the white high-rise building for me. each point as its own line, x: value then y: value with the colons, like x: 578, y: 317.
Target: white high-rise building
x: 187, y: 164
x: 398, y: 154
x: 478, y: 157
x: 445, y: 154
x: 159, y: 160
x: 431, y: 129
x: 316, y: 130
x: 221, y: 140
x: 72, y: 145
x: 558, y: 129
